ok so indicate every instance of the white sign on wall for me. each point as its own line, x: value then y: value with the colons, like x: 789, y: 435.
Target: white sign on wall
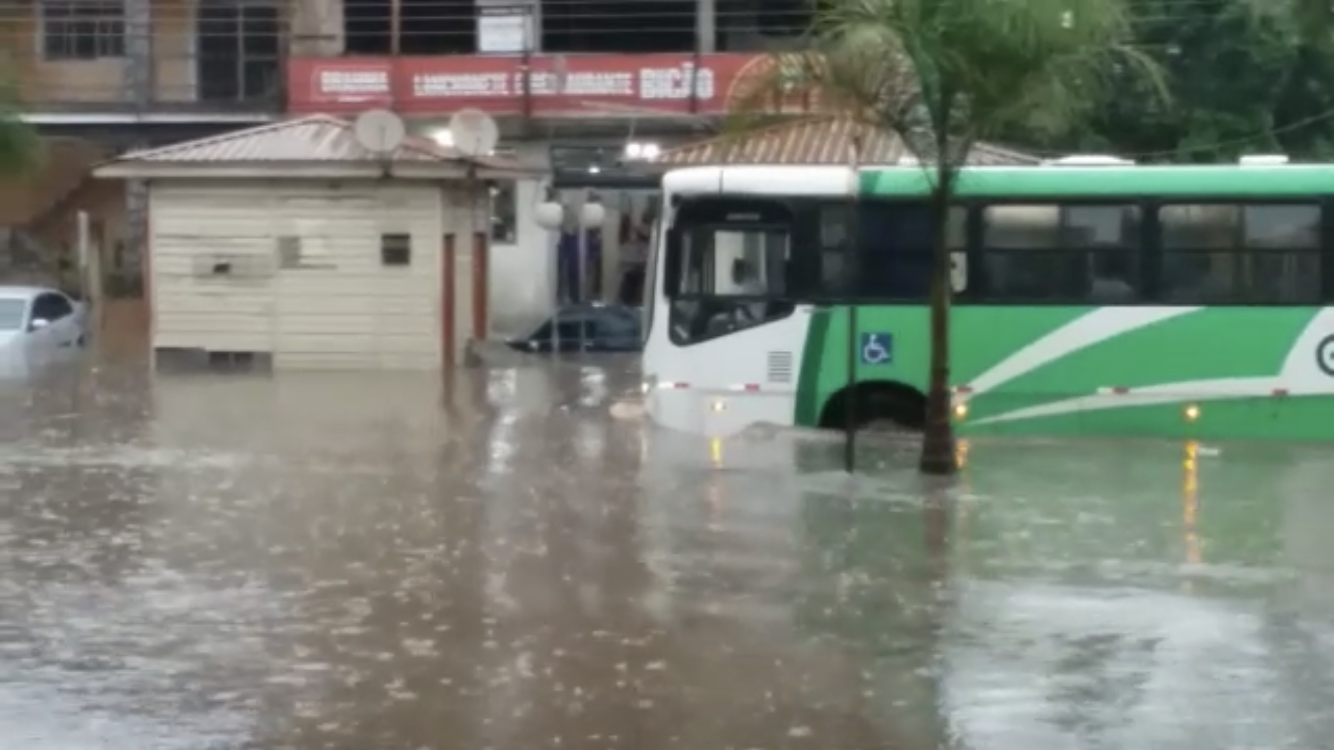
x: 504, y: 27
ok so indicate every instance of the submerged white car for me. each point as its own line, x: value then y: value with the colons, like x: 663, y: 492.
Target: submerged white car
x: 38, y: 321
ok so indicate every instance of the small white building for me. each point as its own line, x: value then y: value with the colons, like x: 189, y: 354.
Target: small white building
x: 294, y: 246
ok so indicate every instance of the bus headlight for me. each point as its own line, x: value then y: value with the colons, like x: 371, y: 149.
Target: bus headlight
x: 718, y: 405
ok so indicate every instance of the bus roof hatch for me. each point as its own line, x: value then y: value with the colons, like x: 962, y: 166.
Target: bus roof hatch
x: 1088, y: 160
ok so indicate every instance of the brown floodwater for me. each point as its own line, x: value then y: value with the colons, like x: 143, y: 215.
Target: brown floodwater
x: 391, y: 561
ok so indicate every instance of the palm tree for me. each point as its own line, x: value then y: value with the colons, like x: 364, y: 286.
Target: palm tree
x: 943, y: 75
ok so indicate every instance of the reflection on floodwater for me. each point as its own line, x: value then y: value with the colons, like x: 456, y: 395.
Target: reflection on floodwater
x: 385, y: 561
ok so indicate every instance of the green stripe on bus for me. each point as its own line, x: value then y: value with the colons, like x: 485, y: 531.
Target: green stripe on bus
x: 809, y: 401
x: 1304, y: 183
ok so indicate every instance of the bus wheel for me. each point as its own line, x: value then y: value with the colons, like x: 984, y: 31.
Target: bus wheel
x: 876, y: 406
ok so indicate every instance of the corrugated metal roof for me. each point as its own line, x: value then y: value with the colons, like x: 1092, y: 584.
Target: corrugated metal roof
x: 315, y: 138
x: 818, y: 141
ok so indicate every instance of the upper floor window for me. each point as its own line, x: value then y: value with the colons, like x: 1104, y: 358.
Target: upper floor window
x: 83, y: 29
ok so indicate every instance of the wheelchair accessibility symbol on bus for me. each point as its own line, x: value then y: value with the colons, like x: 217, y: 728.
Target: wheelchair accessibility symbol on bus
x: 877, y: 348
x: 1324, y: 355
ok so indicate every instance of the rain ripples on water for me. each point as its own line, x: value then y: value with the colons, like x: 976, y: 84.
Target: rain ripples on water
x: 386, y: 561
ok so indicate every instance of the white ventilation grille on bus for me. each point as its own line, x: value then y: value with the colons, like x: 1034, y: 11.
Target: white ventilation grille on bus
x: 780, y: 367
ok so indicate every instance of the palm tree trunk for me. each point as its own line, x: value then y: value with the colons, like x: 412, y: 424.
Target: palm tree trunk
x: 938, y: 437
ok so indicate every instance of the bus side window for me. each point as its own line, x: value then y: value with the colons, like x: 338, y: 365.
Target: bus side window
x: 1020, y: 254
x: 1282, y: 246
x: 837, y: 267
x: 1108, y: 236
x: 1257, y: 254
x: 894, y: 244
x: 1198, y: 244
x: 1062, y: 253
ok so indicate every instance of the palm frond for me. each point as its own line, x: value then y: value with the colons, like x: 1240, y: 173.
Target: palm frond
x: 20, y: 146
x: 944, y: 74
x: 1312, y: 21
x: 20, y: 149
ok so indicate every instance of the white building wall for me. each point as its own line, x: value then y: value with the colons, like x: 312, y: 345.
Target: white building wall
x: 523, y: 274
x: 192, y: 229
x: 343, y: 307
x: 339, y: 306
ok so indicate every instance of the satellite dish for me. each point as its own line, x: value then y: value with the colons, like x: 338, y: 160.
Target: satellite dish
x: 474, y: 132
x: 379, y: 131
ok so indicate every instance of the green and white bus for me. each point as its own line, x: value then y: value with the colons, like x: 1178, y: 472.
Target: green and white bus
x: 1111, y: 300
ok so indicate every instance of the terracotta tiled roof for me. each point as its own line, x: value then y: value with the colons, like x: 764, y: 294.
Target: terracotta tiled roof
x: 316, y: 138
x: 813, y: 142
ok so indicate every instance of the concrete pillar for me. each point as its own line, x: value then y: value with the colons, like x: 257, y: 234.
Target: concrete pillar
x: 139, y: 53
x: 535, y: 25
x: 317, y: 28
x: 136, y: 226
x: 706, y: 26
x: 140, y: 90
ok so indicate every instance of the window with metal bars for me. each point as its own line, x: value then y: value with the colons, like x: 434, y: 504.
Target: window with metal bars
x: 83, y: 29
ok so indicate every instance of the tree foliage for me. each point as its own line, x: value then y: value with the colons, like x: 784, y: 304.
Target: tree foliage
x: 1311, y: 20
x: 20, y: 146
x: 1241, y: 76
x: 952, y: 72
x: 1244, y: 77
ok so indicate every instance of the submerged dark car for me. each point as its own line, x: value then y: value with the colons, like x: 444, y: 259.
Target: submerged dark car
x: 586, y: 328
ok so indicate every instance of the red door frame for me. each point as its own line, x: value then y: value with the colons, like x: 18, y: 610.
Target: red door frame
x: 447, y: 297
x: 481, y: 278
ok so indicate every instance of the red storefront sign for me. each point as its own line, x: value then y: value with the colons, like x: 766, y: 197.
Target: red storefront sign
x: 554, y: 86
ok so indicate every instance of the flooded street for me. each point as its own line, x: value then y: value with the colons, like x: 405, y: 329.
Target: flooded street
x: 345, y: 562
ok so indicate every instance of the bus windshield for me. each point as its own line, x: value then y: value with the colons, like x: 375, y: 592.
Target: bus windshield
x: 733, y: 261
x: 727, y: 271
